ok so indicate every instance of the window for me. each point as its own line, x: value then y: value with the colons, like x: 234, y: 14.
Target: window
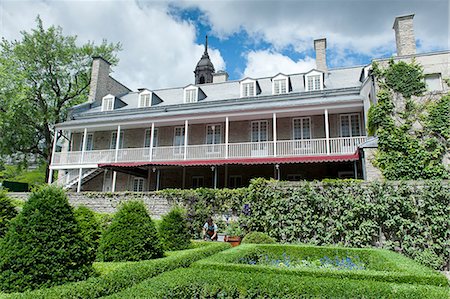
x: 213, y: 137
x: 294, y: 177
x: 145, y: 100
x: 112, y: 144
x: 89, y: 142
x: 433, y: 82
x: 198, y: 181
x: 279, y: 86
x: 190, y: 95
x: 178, y: 140
x: 148, y: 135
x: 248, y: 89
x: 314, y: 82
x: 350, y: 125
x: 259, y: 131
x: 235, y: 181
x: 108, y: 103
x: 302, y: 128
x: 138, y: 185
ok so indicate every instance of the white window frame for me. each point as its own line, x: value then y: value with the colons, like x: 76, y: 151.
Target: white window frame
x: 349, y: 115
x: 145, y: 99
x: 88, y: 148
x: 312, y: 74
x: 148, y: 132
x: 244, y: 92
x: 213, y: 147
x: 140, y: 184
x: 277, y: 79
x: 187, y: 91
x: 178, y: 149
x: 302, y: 143
x: 112, y: 142
x: 441, y: 87
x: 108, y: 103
x: 259, y: 147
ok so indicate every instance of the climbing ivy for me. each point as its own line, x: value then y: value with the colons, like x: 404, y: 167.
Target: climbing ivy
x: 413, y: 134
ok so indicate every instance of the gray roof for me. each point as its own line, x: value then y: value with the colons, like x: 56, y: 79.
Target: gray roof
x: 335, y: 79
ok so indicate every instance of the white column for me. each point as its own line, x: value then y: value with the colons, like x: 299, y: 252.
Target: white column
x: 152, y: 137
x: 83, y: 149
x: 227, y: 132
x: 274, y: 134
x: 117, y: 144
x: 158, y: 178
x: 185, y: 138
x: 50, y: 174
x: 327, y: 131
x: 80, y: 173
x: 114, y: 178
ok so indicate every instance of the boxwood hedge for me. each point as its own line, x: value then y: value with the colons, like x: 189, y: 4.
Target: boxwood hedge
x: 205, y: 283
x: 123, y: 276
x: 381, y: 265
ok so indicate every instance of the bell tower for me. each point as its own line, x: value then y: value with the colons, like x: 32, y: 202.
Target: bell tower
x: 204, y: 69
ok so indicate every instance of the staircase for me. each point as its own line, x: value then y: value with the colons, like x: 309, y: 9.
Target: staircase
x: 73, y: 182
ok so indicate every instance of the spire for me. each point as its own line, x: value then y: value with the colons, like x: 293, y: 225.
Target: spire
x: 206, y: 44
x: 205, y: 68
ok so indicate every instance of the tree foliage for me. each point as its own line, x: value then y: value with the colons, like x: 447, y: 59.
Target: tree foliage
x: 89, y: 227
x: 42, y: 75
x: 174, y: 230
x: 132, y: 236
x: 43, y: 246
x: 413, y: 131
x: 7, y: 212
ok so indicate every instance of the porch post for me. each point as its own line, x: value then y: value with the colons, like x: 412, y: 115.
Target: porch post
x: 158, y: 174
x: 185, y: 138
x: 227, y: 132
x: 355, y: 169
x: 152, y: 137
x: 116, y: 157
x: 80, y: 173
x: 50, y: 174
x: 274, y: 134
x: 214, y: 169
x: 327, y: 131
x: 83, y: 148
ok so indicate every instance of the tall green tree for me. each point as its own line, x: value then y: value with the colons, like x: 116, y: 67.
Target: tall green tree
x: 42, y: 75
x: 412, y: 127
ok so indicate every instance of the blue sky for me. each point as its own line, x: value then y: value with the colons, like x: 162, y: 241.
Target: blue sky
x: 163, y: 40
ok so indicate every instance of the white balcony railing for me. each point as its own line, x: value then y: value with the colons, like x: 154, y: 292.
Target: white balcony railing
x: 284, y: 148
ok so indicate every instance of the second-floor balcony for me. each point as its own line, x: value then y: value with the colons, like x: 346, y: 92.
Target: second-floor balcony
x: 222, y: 151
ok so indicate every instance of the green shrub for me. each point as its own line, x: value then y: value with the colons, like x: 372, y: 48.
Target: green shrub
x: 257, y: 238
x: 43, y: 246
x: 124, y: 276
x: 104, y: 220
x: 90, y: 228
x: 174, y: 231
x: 7, y: 212
x: 210, y: 283
x: 132, y: 236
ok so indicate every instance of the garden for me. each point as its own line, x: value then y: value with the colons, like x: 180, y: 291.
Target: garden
x: 49, y: 249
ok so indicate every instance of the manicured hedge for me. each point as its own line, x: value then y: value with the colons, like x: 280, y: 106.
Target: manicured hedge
x: 205, y: 283
x: 382, y: 265
x: 124, y: 276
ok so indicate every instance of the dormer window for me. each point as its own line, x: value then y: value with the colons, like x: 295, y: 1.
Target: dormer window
x: 108, y: 103
x: 248, y: 88
x: 145, y: 99
x: 191, y: 95
x: 314, y: 81
x: 280, y: 84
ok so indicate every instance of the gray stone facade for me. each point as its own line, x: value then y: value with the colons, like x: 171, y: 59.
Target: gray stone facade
x: 404, y: 35
x: 320, y: 46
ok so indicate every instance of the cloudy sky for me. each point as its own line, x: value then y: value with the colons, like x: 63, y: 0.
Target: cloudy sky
x: 163, y: 40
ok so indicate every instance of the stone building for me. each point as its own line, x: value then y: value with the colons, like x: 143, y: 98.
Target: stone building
x: 221, y: 133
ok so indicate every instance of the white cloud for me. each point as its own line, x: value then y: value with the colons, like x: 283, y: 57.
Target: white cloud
x: 158, y: 50
x: 267, y: 63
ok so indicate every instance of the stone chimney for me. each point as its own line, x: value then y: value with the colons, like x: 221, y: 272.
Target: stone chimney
x: 404, y: 35
x: 220, y: 76
x: 320, y: 46
x: 99, y: 79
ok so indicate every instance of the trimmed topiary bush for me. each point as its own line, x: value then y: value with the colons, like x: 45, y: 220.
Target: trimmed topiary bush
x: 257, y: 238
x: 132, y: 236
x: 43, y: 246
x: 174, y: 230
x: 7, y: 212
x: 89, y: 226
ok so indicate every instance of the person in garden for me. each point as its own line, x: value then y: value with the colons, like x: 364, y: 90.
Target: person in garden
x: 210, y: 230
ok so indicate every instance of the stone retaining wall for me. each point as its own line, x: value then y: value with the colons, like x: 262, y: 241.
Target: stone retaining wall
x: 108, y: 202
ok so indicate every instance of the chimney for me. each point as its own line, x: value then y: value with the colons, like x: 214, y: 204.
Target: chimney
x: 220, y: 76
x: 404, y: 35
x: 99, y: 78
x: 320, y: 46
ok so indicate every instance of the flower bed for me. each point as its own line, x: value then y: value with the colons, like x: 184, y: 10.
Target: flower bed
x: 316, y: 261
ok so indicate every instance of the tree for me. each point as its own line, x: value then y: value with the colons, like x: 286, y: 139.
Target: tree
x: 42, y: 75
x: 412, y: 129
x: 174, y: 230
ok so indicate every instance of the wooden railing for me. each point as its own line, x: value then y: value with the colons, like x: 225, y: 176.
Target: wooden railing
x: 284, y: 148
